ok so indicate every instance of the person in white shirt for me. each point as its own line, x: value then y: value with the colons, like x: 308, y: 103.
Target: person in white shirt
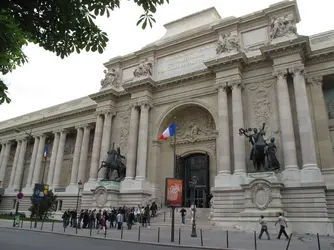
x: 282, y: 222
x: 264, y: 228
x: 119, y: 219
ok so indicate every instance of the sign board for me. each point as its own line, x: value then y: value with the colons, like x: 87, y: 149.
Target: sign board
x: 19, y: 196
x: 174, y: 192
x: 40, y: 191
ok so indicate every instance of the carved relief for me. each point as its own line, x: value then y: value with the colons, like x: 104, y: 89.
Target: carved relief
x: 100, y: 197
x: 228, y: 43
x: 69, y: 146
x: 111, y: 79
x: 261, y: 195
x: 145, y: 68
x: 283, y: 26
x: 124, y: 133
x: 195, y: 124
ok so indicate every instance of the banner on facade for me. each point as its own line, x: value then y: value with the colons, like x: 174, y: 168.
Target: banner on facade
x: 40, y: 192
x: 173, y: 192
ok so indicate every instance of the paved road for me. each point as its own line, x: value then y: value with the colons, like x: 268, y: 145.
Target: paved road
x: 211, y: 237
x: 11, y: 239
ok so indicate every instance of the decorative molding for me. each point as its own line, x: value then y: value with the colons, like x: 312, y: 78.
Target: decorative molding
x: 280, y: 73
x: 315, y: 80
x: 261, y: 195
x: 222, y: 84
x: 300, y: 70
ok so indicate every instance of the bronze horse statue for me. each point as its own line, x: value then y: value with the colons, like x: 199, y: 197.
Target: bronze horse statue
x: 114, y: 162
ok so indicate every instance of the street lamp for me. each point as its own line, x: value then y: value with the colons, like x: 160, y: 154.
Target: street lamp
x: 193, y: 184
x: 78, y: 196
x: 22, y: 175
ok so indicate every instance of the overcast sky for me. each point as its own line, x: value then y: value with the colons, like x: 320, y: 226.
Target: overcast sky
x: 48, y: 80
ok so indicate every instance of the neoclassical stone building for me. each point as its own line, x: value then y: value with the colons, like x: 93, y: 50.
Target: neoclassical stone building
x: 212, y: 76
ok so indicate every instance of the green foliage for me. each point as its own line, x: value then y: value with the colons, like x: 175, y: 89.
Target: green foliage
x: 46, y: 206
x: 59, y: 26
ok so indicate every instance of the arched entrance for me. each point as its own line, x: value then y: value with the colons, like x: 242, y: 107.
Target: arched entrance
x: 194, y: 165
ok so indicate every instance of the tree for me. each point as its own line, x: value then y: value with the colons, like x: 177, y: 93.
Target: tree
x: 47, y: 205
x: 59, y: 26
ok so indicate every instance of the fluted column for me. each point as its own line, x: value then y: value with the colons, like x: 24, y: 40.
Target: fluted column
x: 84, y: 154
x: 238, y: 122
x: 223, y: 140
x: 286, y: 124
x: 32, y: 162
x: 321, y: 122
x: 105, y: 144
x: 59, y: 159
x: 20, y: 164
x: 4, y: 162
x: 143, y: 139
x: 76, y: 155
x: 310, y: 171
x: 94, y: 166
x: 39, y: 159
x: 3, y: 146
x: 16, y: 158
x: 132, y: 142
x: 53, y: 157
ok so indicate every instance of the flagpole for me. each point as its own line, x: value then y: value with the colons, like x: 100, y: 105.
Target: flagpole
x: 175, y: 149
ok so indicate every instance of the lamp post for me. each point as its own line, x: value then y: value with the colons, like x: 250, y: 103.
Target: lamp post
x: 193, y: 184
x: 78, y: 196
x: 23, y: 170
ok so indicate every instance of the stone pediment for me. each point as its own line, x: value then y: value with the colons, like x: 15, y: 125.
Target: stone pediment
x: 73, y: 105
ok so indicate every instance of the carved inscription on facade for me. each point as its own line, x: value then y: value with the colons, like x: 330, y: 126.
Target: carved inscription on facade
x: 185, y: 62
x: 195, y: 124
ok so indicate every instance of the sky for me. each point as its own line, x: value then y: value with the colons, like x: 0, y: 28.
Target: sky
x: 47, y: 80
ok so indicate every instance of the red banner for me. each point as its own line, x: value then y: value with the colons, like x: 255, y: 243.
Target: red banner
x: 174, y: 192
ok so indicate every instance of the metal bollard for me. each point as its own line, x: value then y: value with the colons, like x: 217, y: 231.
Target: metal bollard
x: 227, y: 245
x: 64, y: 229
x: 42, y: 224
x: 122, y: 233
x: 287, y: 246
x: 158, y: 234
x: 76, y: 229
x: 139, y: 233
x: 319, y: 248
x: 30, y: 224
x: 105, y: 232
x: 179, y: 236
x: 90, y: 231
x: 21, y: 223
x: 201, y: 232
x: 164, y: 216
x: 53, y: 223
x: 255, y: 243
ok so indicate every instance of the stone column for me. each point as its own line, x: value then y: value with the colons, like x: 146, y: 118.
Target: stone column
x: 238, y: 122
x: 3, y: 146
x: 310, y: 171
x: 105, y: 144
x: 59, y: 159
x: 132, y: 142
x: 155, y: 162
x: 84, y: 154
x: 4, y: 162
x: 76, y: 156
x: 20, y: 164
x: 16, y: 158
x: 223, y: 141
x: 94, y: 166
x: 53, y: 157
x: 32, y: 162
x: 39, y: 159
x: 321, y: 123
x: 143, y: 140
x: 286, y: 127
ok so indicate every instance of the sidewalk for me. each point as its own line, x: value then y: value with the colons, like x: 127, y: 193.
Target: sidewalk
x: 211, y: 237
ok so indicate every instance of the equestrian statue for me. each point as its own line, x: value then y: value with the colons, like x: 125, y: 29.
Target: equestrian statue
x: 263, y: 154
x: 114, y: 162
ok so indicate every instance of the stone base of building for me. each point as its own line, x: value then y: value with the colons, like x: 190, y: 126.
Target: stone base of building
x: 306, y: 206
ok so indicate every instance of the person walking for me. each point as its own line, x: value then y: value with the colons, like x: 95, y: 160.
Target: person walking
x: 183, y: 213
x: 282, y: 222
x: 264, y: 228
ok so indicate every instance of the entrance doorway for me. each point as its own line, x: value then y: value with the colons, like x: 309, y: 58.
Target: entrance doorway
x: 186, y: 168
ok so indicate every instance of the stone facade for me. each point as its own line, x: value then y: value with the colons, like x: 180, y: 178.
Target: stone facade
x: 212, y: 77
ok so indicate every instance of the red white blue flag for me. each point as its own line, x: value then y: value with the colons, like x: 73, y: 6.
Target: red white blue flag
x: 170, y: 131
x: 46, y: 151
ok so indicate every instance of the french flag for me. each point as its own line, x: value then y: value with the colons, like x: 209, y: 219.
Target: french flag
x: 170, y: 131
x: 46, y: 151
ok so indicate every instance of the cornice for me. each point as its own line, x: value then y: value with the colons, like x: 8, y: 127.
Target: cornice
x: 68, y: 114
x: 138, y: 84
x: 320, y: 56
x: 106, y: 94
x: 227, y: 61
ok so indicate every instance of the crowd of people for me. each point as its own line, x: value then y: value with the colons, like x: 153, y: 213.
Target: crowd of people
x: 111, y: 218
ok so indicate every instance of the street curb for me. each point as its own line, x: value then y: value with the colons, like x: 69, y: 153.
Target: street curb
x: 126, y: 241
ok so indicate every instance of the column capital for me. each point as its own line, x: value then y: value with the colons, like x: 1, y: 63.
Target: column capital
x: 145, y: 104
x: 280, y: 73
x: 89, y: 127
x: 235, y: 84
x: 315, y: 80
x: 105, y: 112
x: 222, y: 85
x: 6, y: 142
x: 80, y: 126
x: 297, y: 70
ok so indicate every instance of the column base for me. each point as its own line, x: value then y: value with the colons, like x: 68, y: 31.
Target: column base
x: 27, y: 191
x: 291, y: 175
x: 72, y: 188
x: 311, y: 173
x: 223, y: 180
x: 134, y: 185
x: 238, y: 178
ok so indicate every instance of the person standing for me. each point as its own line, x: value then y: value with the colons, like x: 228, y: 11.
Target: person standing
x: 183, y: 216
x: 282, y: 222
x: 264, y: 228
x: 119, y: 219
